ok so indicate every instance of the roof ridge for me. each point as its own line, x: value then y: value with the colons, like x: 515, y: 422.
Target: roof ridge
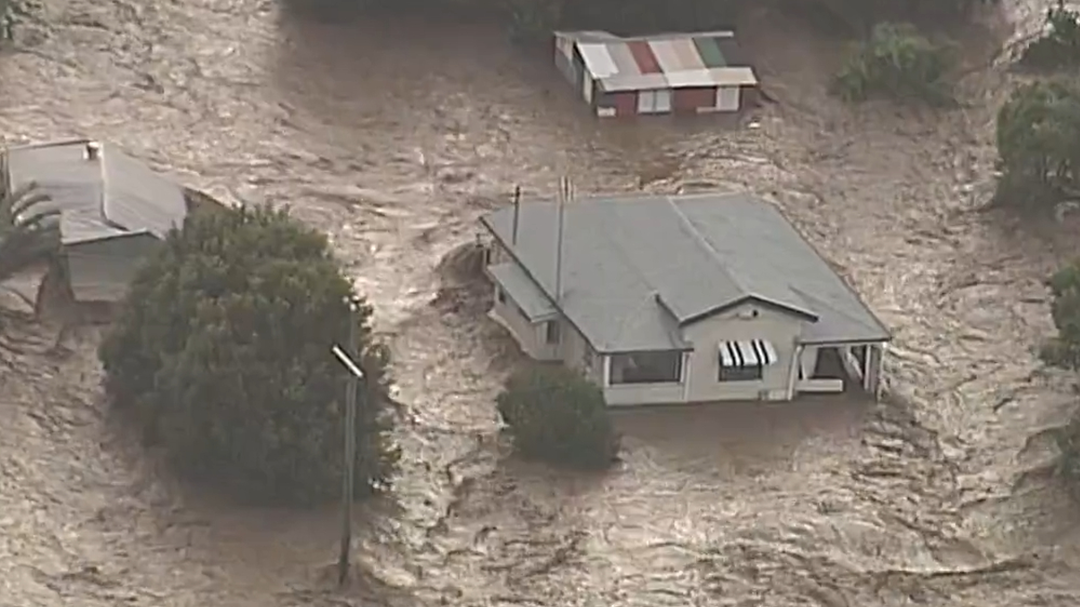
x: 699, y: 239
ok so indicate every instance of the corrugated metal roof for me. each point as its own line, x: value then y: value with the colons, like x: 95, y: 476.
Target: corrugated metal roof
x: 97, y: 198
x: 138, y: 198
x: 663, y: 61
x: 517, y: 284
x: 666, y: 56
x: 635, y: 268
x: 597, y: 60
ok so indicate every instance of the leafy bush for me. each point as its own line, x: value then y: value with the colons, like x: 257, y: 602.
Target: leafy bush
x: 1063, y: 350
x: 1060, y: 46
x: 1038, y: 141
x: 899, y: 63
x: 558, y: 416
x: 221, y: 354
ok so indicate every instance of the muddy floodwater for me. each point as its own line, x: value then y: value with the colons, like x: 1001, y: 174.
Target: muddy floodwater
x: 393, y: 137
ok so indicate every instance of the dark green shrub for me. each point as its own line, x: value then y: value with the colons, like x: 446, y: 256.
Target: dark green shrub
x: 222, y: 354
x: 1060, y: 46
x: 556, y: 415
x: 1038, y: 142
x: 897, y: 63
x: 1063, y: 351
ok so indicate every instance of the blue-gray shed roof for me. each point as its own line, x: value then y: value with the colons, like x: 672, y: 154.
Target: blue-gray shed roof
x: 101, y: 196
x: 637, y: 268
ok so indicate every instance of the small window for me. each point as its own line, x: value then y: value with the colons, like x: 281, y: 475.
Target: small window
x: 552, y: 331
x: 489, y: 255
x: 747, y: 373
x: 500, y: 295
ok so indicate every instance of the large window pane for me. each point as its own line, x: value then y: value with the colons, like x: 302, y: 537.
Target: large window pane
x: 646, y: 368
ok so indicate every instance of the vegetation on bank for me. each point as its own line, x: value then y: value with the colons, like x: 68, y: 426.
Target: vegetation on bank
x: 220, y: 355
x: 557, y: 416
x: 1063, y: 351
x: 1059, y: 46
x: 896, y: 62
x: 1038, y: 142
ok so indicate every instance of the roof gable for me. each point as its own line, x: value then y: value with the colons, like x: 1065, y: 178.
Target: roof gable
x: 635, y: 269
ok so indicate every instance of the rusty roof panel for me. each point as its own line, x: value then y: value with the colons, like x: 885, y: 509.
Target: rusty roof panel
x: 666, y: 56
x: 624, y: 59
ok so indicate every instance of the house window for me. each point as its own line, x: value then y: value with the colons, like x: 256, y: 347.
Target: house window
x: 500, y: 295
x: 552, y: 330
x: 647, y: 367
x: 654, y: 102
x: 748, y: 373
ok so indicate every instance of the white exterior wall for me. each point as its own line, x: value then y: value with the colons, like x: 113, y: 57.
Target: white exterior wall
x: 780, y: 329
x: 513, y: 320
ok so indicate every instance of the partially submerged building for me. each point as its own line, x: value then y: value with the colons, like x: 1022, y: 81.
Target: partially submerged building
x: 670, y: 73
x: 113, y: 211
x: 675, y: 299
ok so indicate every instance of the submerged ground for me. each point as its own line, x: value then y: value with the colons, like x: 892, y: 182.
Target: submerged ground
x: 392, y: 137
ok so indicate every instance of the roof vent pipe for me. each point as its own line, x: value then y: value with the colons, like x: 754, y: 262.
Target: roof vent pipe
x: 93, y: 150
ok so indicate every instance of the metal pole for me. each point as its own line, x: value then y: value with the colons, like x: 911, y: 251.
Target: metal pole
x: 517, y: 215
x: 564, y: 191
x: 347, y: 490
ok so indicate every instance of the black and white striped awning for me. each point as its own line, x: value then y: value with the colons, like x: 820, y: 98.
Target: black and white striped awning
x: 749, y: 353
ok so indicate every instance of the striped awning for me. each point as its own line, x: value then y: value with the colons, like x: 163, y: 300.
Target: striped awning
x: 749, y: 353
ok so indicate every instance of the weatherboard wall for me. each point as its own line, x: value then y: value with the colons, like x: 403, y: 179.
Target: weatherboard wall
x: 747, y: 322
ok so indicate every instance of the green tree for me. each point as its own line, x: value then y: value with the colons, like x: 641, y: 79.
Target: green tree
x: 1063, y: 351
x: 556, y: 415
x: 1059, y: 46
x: 896, y: 62
x: 1038, y: 142
x: 222, y: 355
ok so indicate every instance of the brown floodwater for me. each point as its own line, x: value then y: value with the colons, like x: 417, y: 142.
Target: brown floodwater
x: 393, y: 137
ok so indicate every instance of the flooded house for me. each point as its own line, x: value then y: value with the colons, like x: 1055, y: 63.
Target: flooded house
x: 679, y: 299
x: 693, y: 73
x: 114, y: 210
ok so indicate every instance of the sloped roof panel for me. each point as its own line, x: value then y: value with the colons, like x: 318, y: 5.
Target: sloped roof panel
x: 666, y: 56
x: 624, y: 60
x: 635, y: 82
x: 138, y: 198
x: 597, y: 60
x: 689, y: 59
x: 633, y: 267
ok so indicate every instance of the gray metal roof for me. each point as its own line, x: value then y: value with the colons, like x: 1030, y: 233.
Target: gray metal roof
x: 637, y: 268
x: 109, y: 196
x: 517, y: 284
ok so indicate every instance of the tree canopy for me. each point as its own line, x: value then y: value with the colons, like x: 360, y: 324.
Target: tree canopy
x: 1059, y: 46
x: 222, y: 355
x: 556, y: 415
x: 1038, y: 142
x: 1063, y: 350
x: 899, y: 63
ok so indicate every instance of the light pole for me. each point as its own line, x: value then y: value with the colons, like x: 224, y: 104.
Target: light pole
x: 357, y: 375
